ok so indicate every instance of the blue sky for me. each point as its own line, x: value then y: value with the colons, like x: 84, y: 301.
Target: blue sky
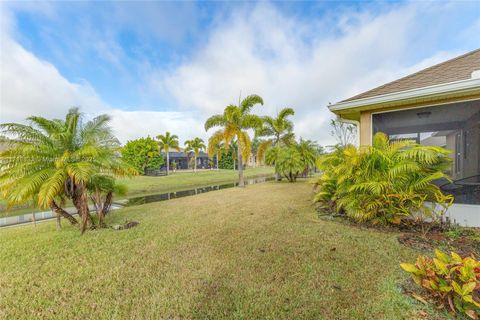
x: 157, y: 66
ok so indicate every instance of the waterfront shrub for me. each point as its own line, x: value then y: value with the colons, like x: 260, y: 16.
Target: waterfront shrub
x: 385, y: 182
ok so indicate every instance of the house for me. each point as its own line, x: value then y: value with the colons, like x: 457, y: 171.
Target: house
x: 183, y: 160
x: 438, y: 106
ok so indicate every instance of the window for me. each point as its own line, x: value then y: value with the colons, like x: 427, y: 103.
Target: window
x: 453, y: 126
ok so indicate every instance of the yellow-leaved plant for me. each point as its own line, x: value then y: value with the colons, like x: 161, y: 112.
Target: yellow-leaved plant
x: 450, y: 279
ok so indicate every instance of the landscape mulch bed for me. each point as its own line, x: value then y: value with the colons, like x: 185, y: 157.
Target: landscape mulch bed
x: 411, y: 236
x: 463, y: 245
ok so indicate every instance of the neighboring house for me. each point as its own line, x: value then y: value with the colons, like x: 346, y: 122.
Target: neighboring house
x: 252, y: 160
x: 184, y: 161
x: 439, y: 106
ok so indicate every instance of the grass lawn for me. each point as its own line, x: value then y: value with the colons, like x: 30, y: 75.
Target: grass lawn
x: 253, y: 253
x: 143, y: 185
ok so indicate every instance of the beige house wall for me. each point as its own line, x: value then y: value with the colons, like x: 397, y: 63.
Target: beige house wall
x: 365, y: 128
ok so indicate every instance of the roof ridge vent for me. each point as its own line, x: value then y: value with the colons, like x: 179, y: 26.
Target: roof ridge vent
x: 476, y: 74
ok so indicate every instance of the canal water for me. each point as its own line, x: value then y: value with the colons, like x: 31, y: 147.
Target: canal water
x: 191, y: 192
x: 134, y: 201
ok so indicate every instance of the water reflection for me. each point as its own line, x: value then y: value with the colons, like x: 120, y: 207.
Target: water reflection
x: 185, y: 193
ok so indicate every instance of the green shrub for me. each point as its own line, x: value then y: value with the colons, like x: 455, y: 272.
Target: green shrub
x: 385, y: 182
x: 450, y: 280
x: 226, y: 159
x: 288, y: 162
x: 292, y: 160
x: 142, y: 154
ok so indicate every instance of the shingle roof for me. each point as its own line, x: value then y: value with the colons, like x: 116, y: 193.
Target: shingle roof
x: 456, y: 69
x: 176, y: 154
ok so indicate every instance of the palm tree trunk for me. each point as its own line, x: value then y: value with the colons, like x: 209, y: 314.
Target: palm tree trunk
x: 216, y: 159
x: 105, y: 208
x: 59, y: 222
x: 84, y: 212
x: 108, y: 203
x: 195, y: 164
x: 241, y: 182
x: 168, y: 161
x: 59, y: 211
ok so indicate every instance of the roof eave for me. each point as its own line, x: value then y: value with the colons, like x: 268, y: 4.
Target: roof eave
x: 445, y: 88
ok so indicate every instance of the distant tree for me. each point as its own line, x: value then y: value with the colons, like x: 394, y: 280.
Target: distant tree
x: 228, y: 157
x: 278, y: 131
x: 256, y: 142
x: 167, y: 142
x: 287, y: 160
x: 320, y: 150
x: 196, y: 145
x: 294, y: 159
x: 215, y: 149
x: 142, y: 154
x: 234, y: 123
x: 344, y: 133
x: 308, y: 151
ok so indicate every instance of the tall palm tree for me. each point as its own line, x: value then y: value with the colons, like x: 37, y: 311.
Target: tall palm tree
x: 196, y: 145
x: 51, y: 160
x: 166, y: 142
x: 234, y: 121
x: 278, y: 131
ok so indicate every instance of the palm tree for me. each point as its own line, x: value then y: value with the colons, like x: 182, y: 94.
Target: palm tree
x: 51, y: 160
x: 166, y: 142
x: 308, y: 151
x: 234, y: 121
x: 279, y: 132
x: 196, y: 145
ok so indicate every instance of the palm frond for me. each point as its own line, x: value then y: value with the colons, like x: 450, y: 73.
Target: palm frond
x: 262, y: 148
x: 245, y: 145
x: 215, y: 121
x: 214, y: 142
x: 251, y: 100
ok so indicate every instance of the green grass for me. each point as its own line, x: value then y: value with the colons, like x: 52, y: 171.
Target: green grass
x: 253, y: 253
x: 143, y: 185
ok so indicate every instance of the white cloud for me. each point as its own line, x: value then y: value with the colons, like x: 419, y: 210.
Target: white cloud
x: 297, y: 63
x: 291, y: 62
x: 31, y: 86
x: 134, y: 124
